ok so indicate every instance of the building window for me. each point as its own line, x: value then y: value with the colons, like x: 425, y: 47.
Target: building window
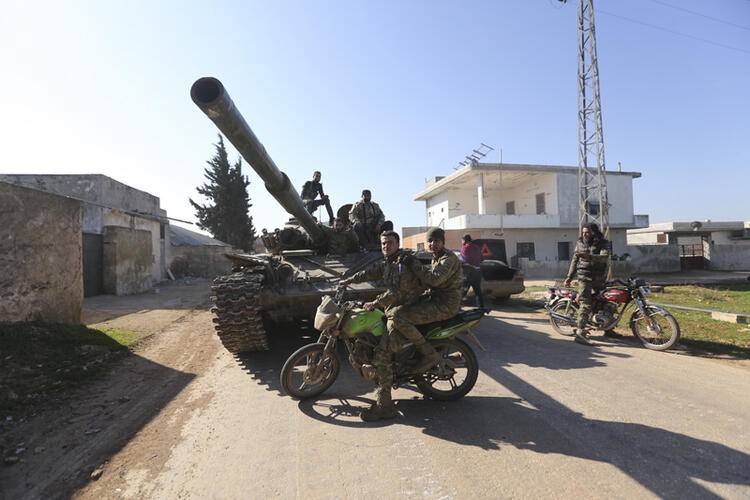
x: 592, y: 208
x: 540, y: 209
x: 510, y: 208
x: 661, y: 238
x: 563, y: 250
x: 525, y: 250
x: 420, y: 246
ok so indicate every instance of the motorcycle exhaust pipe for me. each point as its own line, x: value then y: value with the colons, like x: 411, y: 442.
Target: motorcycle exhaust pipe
x: 562, y: 317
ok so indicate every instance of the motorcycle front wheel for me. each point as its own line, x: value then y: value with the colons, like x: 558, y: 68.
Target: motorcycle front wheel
x: 454, y: 376
x: 660, y: 332
x: 309, y: 371
x: 566, y: 307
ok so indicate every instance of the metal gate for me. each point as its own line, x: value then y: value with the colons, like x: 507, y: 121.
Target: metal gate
x: 93, y: 259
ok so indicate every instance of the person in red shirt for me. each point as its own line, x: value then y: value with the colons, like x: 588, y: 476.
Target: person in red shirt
x: 471, y: 254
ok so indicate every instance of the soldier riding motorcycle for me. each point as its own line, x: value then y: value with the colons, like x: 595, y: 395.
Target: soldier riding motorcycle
x: 313, y: 368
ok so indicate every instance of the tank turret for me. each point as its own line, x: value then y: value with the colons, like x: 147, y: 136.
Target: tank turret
x: 286, y: 284
x: 209, y: 95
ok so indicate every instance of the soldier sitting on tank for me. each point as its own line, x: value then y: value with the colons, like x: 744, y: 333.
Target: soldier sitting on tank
x: 340, y: 240
x: 311, y: 190
x: 367, y: 220
x: 402, y: 287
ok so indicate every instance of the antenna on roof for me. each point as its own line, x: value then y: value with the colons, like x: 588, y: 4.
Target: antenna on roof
x: 476, y: 154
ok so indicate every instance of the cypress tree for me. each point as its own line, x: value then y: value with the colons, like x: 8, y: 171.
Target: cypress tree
x: 226, y: 214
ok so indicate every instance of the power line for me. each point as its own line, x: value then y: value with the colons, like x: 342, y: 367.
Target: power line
x: 738, y: 49
x: 701, y: 15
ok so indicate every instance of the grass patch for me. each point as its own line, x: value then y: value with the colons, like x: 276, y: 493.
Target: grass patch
x: 41, y: 358
x: 726, y: 298
x: 698, y: 329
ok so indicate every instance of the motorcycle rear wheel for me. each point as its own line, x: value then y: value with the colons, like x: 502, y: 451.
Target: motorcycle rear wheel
x: 309, y: 371
x: 455, y: 374
x: 664, y: 331
x: 568, y: 308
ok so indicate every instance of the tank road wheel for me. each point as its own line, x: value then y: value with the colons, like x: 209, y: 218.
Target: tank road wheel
x: 660, y: 332
x: 238, y: 321
x: 309, y: 371
x: 566, y: 307
x: 455, y: 375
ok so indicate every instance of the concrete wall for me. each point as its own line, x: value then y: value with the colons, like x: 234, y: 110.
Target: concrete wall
x: 109, y: 203
x: 41, y: 276
x: 731, y: 257
x: 127, y: 260
x: 199, y: 261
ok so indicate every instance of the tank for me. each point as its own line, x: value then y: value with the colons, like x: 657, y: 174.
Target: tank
x: 287, y: 282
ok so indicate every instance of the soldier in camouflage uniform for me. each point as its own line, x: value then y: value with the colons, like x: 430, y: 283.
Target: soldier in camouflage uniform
x: 443, y: 300
x: 340, y: 240
x: 402, y: 287
x: 367, y: 220
x: 589, y: 265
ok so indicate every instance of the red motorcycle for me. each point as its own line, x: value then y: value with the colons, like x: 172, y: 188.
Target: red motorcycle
x: 654, y: 326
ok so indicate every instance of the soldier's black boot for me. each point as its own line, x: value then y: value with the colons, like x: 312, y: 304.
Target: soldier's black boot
x: 430, y: 357
x: 383, y: 409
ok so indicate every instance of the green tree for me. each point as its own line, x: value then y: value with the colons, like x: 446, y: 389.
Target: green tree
x: 226, y: 215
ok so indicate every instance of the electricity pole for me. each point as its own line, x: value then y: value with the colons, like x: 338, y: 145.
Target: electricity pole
x: 593, y: 203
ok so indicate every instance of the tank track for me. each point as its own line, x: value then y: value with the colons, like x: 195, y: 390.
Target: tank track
x: 238, y: 320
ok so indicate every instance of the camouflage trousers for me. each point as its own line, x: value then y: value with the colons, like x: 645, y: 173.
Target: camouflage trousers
x: 586, y: 291
x: 402, y: 319
x: 383, y: 362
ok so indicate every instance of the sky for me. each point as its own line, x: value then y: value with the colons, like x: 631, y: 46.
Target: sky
x: 379, y: 94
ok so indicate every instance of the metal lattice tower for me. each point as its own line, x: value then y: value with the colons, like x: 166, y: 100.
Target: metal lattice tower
x: 593, y: 204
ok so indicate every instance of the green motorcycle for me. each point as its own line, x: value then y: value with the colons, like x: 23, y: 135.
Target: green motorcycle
x: 313, y: 368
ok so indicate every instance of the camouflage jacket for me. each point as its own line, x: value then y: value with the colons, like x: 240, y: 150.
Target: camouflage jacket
x: 366, y: 213
x: 444, y: 277
x: 403, y: 285
x: 589, y: 262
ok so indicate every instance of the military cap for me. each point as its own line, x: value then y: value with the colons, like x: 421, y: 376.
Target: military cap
x: 436, y: 233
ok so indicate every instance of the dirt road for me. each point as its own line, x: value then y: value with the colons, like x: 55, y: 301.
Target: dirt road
x: 547, y: 418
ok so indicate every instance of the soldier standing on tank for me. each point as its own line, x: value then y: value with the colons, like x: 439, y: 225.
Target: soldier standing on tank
x: 589, y: 265
x: 444, y: 277
x: 311, y: 190
x: 402, y: 287
x: 367, y: 219
x: 340, y: 239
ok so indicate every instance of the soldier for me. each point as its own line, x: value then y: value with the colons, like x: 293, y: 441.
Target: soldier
x: 403, y: 287
x: 589, y: 264
x: 367, y: 219
x: 442, y: 301
x: 340, y: 239
x: 311, y: 190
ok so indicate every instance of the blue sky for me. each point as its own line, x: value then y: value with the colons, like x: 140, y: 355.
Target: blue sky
x: 380, y: 95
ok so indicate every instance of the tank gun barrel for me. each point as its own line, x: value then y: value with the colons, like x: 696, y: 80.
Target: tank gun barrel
x: 211, y: 97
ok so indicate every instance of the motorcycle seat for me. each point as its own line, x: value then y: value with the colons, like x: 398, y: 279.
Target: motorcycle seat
x: 462, y: 317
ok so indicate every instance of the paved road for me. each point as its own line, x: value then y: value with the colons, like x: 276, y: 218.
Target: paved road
x: 547, y: 418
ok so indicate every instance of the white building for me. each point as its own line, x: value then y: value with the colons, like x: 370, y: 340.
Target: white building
x: 533, y: 207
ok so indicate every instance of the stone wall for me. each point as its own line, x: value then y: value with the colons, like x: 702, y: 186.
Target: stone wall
x: 41, y: 276
x: 127, y: 260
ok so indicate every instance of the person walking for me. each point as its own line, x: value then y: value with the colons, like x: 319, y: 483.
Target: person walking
x: 472, y: 257
x: 589, y: 266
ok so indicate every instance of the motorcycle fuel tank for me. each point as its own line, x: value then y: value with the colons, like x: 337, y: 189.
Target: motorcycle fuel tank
x: 364, y: 321
x: 616, y: 295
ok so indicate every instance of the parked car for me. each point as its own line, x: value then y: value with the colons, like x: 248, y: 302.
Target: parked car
x: 499, y: 281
